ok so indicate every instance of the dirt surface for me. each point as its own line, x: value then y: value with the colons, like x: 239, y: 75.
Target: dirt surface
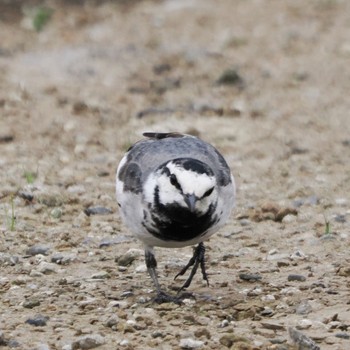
x: 267, y: 84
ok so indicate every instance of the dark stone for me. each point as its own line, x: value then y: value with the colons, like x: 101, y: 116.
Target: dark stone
x: 251, y: 277
x: 37, y: 249
x: 294, y: 277
x: 97, y: 211
x: 38, y: 320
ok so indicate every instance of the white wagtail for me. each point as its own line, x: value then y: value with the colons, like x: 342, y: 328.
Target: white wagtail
x: 174, y: 190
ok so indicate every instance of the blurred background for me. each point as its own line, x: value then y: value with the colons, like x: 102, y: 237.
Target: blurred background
x: 267, y: 82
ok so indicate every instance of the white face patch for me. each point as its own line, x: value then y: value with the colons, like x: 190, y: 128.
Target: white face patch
x: 190, y: 181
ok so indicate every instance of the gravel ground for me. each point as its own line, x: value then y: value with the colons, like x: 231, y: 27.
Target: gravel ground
x: 267, y: 84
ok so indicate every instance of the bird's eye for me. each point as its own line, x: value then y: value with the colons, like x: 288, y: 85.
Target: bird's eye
x: 209, y: 192
x: 174, y: 182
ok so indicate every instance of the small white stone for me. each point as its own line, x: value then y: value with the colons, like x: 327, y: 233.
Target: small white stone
x: 141, y: 268
x: 273, y: 251
x: 189, y: 343
x: 289, y: 219
x: 274, y: 257
x: 268, y: 298
x: 290, y: 291
x: 47, y: 268
x: 124, y: 342
x: 304, y: 324
x: 341, y: 201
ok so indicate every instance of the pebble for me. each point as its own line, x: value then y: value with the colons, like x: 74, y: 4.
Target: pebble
x: 47, y: 268
x: 37, y: 249
x: 62, y: 259
x: 289, y: 219
x: 141, y: 268
x: 97, y: 211
x: 343, y: 335
x: 37, y: 320
x: 298, y: 255
x: 340, y: 218
x: 80, y: 221
x: 290, y: 290
x: 112, y: 321
x: 106, y: 242
x: 295, y: 277
x: 312, y: 200
x: 224, y: 324
x: 101, y: 275
x: 89, y: 341
x: 229, y: 339
x: 7, y: 259
x: 303, y: 308
x: 27, y: 196
x: 42, y: 347
x: 31, y: 303
x: 301, y: 340
x: 268, y: 298
x: 344, y: 271
x: 157, y: 334
x: 129, y: 257
x: 274, y: 256
x: 273, y: 325
x: 124, y: 342
x: 341, y: 201
x: 56, y: 213
x: 245, y: 222
x: 3, y: 341
x: 304, y: 324
x: 203, y: 332
x: 267, y: 312
x: 189, y: 343
x: 250, y: 277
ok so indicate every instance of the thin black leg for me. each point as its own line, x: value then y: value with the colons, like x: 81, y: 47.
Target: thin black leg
x: 198, y: 259
x: 151, y: 264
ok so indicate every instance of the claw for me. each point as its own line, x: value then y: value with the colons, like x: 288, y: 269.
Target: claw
x: 198, y: 259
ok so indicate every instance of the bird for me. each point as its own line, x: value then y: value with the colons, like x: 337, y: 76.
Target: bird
x: 174, y: 190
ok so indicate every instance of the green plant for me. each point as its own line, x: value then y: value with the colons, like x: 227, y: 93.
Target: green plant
x: 30, y: 176
x: 11, y: 217
x: 327, y: 230
x: 41, y: 17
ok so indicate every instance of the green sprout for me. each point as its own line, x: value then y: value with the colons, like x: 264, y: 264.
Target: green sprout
x: 30, y: 176
x: 11, y: 218
x: 41, y: 17
x: 327, y: 230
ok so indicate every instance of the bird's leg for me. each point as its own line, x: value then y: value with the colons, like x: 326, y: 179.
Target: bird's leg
x: 198, y: 259
x: 151, y: 264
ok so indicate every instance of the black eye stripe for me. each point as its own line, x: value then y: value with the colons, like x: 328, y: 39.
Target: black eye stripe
x: 208, y: 193
x: 174, y: 182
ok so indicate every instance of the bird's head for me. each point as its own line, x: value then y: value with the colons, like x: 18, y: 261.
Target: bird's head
x: 186, y: 183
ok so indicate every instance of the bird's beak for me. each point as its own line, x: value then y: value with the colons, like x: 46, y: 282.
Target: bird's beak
x: 190, y: 200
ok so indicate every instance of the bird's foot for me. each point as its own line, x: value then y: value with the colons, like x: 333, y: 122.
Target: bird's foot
x: 198, y: 259
x: 163, y: 297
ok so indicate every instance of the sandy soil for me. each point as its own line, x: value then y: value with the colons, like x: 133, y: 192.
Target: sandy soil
x: 266, y: 83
